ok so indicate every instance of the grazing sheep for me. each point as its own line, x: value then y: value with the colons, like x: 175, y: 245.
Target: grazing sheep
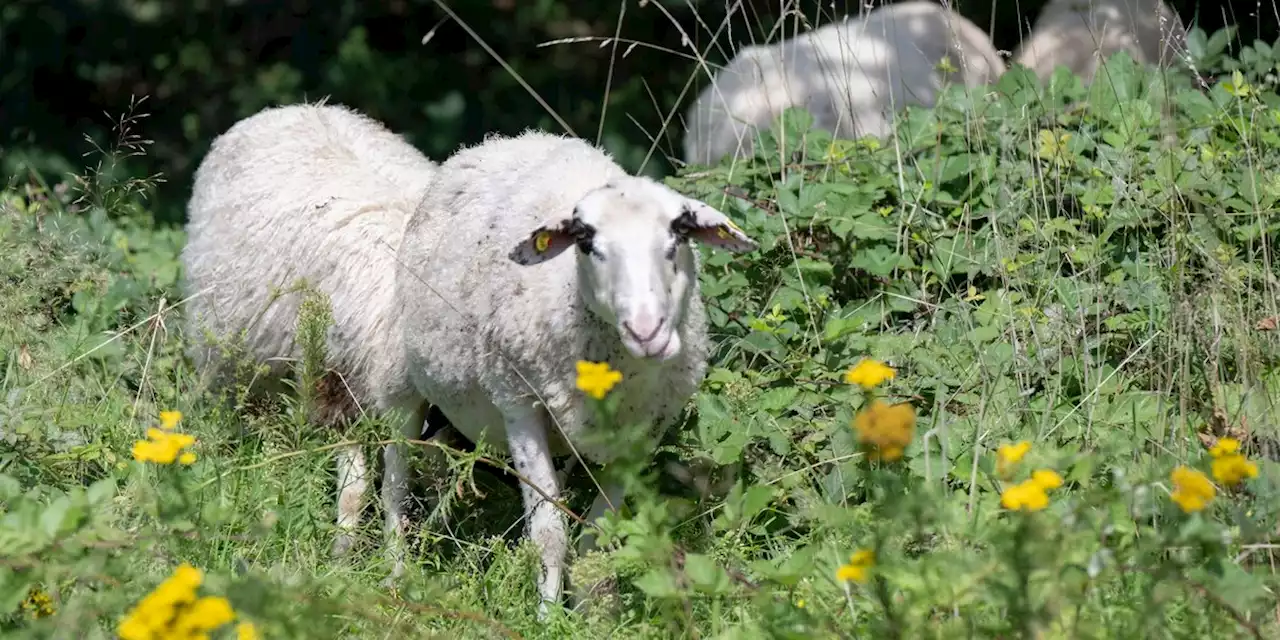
x: 1082, y: 34
x: 495, y: 323
x: 852, y: 76
x: 323, y: 193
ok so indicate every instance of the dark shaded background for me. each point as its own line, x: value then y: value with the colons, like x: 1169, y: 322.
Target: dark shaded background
x: 69, y: 68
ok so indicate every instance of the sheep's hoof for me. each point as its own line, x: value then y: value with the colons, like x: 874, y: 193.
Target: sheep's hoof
x: 342, y: 545
x: 397, y: 570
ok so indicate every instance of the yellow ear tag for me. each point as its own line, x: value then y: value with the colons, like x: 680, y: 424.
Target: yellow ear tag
x: 542, y: 241
x: 722, y: 233
x: 733, y: 226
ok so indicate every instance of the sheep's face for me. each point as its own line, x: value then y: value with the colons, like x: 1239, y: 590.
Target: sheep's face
x: 635, y: 264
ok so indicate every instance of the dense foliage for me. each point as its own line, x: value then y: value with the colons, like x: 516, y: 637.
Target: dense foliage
x: 68, y: 68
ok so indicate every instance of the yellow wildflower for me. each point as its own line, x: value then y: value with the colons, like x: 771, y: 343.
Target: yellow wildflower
x: 169, y: 419
x: 1009, y: 455
x: 1046, y: 479
x: 1192, y: 490
x: 1025, y: 496
x: 596, y: 378
x: 158, y: 609
x: 246, y: 631
x: 1031, y: 494
x: 1232, y: 469
x: 1225, y: 447
x: 885, y: 430
x: 859, y: 566
x: 163, y: 447
x: 173, y: 611
x: 38, y: 604
x: 206, y: 614
x: 869, y: 374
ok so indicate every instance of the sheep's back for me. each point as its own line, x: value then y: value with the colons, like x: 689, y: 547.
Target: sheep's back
x: 459, y: 292
x: 314, y: 192
x: 852, y: 76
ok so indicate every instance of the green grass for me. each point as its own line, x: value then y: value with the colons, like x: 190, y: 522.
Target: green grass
x: 1108, y: 296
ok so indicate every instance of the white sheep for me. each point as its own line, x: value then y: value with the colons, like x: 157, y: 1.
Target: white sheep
x: 852, y: 76
x: 323, y: 193
x: 1082, y: 34
x: 495, y: 323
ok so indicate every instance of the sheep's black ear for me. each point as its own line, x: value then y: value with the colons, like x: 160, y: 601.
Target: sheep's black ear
x: 544, y: 243
x: 700, y: 222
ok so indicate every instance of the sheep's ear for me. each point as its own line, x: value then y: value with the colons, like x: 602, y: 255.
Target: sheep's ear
x: 699, y: 221
x: 544, y: 243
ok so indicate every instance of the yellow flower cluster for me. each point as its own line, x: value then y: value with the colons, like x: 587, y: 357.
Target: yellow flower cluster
x: 885, y: 430
x: 172, y: 611
x: 1031, y: 494
x: 38, y: 604
x: 1009, y: 455
x: 869, y: 374
x: 860, y: 564
x: 163, y: 445
x: 596, y: 378
x: 1192, y: 490
x: 1230, y: 467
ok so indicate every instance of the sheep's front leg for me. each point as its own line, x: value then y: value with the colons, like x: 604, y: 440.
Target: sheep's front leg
x: 395, y: 490
x: 353, y: 481
x: 527, y: 440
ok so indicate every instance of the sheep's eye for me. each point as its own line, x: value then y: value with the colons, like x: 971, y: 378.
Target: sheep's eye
x: 590, y: 249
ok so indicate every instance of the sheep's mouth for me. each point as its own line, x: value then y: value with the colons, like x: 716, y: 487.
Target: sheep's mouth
x: 655, y: 349
x: 661, y: 352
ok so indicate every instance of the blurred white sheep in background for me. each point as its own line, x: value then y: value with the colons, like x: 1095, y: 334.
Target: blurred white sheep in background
x: 852, y: 76
x: 1082, y: 34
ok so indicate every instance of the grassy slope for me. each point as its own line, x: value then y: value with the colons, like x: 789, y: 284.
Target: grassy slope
x: 1100, y: 297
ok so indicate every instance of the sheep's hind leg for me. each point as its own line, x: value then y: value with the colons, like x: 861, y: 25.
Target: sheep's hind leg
x: 353, y: 482
x: 527, y: 439
x: 610, y: 499
x: 395, y: 491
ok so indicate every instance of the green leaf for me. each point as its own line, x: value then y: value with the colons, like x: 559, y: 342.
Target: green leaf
x: 705, y: 575
x: 101, y: 491
x: 13, y: 589
x: 878, y: 260
x: 776, y: 399
x: 55, y: 516
x: 755, y: 499
x: 659, y: 582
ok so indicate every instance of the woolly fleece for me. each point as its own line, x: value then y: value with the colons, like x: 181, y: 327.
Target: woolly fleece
x: 310, y: 191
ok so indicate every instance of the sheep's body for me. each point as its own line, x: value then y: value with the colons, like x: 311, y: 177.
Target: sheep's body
x: 493, y: 337
x: 852, y: 76
x: 321, y: 193
x: 1082, y: 34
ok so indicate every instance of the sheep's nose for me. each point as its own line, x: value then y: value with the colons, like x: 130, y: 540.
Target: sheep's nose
x: 644, y: 329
